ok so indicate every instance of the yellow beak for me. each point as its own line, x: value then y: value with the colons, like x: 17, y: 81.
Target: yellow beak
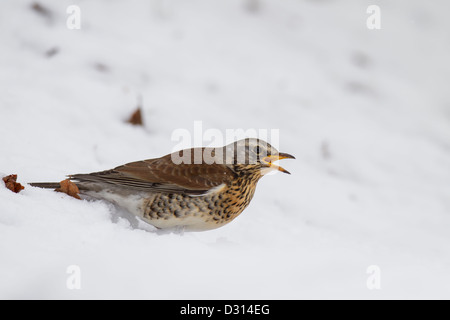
x: 275, y: 157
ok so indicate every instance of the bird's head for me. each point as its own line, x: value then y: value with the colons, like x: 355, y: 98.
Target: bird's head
x: 254, y: 156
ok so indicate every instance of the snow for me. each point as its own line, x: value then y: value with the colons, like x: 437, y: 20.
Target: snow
x: 366, y: 113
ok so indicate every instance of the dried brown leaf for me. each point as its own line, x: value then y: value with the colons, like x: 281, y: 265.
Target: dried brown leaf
x: 41, y: 10
x: 12, y: 184
x: 69, y: 188
x: 136, y: 118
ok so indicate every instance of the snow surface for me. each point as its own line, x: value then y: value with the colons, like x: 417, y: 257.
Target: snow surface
x: 366, y: 113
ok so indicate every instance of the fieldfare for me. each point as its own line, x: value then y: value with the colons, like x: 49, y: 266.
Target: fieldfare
x: 193, y: 189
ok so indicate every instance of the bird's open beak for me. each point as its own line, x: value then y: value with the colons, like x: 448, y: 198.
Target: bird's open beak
x: 275, y: 157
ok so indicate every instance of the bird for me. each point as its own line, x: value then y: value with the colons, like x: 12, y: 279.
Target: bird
x: 196, y: 189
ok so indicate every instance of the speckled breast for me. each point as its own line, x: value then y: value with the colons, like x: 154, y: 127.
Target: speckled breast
x: 197, y: 213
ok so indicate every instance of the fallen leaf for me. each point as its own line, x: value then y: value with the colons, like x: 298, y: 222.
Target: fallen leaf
x: 41, y: 10
x: 11, y: 183
x: 69, y: 188
x: 136, y: 118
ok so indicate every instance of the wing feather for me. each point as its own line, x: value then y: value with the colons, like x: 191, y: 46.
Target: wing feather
x: 162, y: 175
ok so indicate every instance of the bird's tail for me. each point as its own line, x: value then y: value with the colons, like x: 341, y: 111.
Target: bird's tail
x: 46, y: 185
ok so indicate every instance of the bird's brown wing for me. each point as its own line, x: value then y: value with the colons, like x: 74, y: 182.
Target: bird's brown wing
x: 163, y: 175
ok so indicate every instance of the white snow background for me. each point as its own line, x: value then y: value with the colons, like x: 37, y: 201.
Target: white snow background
x: 366, y: 113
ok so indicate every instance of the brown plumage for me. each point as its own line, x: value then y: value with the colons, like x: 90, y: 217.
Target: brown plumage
x: 208, y: 189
